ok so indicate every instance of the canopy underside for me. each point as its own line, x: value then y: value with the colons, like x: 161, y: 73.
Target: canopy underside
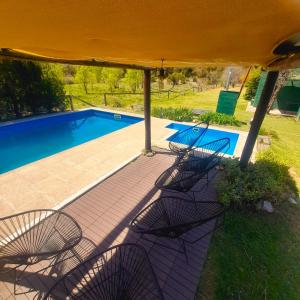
x: 142, y: 32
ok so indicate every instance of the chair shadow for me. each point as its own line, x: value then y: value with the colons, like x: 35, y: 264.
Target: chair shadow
x: 41, y: 283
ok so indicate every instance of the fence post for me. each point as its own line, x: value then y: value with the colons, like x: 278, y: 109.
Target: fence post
x: 104, y: 99
x: 71, y: 102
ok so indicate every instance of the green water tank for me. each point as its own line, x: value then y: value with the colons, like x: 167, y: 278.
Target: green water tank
x: 227, y: 102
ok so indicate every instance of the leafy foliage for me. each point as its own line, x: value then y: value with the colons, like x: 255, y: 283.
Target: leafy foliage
x: 112, y: 77
x: 133, y: 79
x: 115, y: 102
x: 266, y: 179
x: 177, y: 114
x: 252, y: 84
x: 220, y: 119
x: 176, y: 77
x: 27, y: 87
x: 213, y: 75
x: 86, y: 76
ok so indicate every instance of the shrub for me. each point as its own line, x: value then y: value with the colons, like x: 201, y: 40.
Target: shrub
x: 220, y: 119
x: 252, y: 84
x: 115, y: 102
x: 266, y: 179
x: 177, y: 114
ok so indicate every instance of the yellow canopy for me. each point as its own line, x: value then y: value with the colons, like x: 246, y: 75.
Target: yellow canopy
x: 142, y: 32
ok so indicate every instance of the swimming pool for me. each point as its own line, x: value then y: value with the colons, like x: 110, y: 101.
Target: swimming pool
x: 26, y: 141
x: 209, y: 136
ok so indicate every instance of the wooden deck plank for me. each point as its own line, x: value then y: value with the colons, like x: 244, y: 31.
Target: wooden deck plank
x: 105, y: 211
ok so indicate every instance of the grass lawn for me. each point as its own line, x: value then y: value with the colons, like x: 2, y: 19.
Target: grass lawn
x: 254, y: 256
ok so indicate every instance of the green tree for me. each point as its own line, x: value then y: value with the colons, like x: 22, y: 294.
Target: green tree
x: 212, y: 75
x: 112, y: 77
x: 252, y: 83
x: 25, y: 87
x: 98, y: 74
x: 69, y: 73
x: 176, y: 77
x: 133, y: 79
x: 85, y: 76
x: 53, y: 70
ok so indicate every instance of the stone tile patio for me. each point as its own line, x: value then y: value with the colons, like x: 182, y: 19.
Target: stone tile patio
x: 53, y: 181
x: 48, y: 182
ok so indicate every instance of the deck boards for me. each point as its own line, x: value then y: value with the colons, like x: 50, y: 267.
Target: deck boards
x: 104, y: 213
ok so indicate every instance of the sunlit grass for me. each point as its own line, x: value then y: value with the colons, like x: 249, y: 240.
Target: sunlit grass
x: 255, y: 256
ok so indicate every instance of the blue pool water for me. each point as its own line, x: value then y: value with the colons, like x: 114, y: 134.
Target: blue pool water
x: 30, y: 140
x: 209, y: 136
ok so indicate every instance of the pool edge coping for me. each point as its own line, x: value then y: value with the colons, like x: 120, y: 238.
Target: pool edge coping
x: 50, y: 115
x: 91, y: 185
x: 241, y: 138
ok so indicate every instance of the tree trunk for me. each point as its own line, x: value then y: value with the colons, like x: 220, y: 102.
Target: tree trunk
x: 16, y: 109
x: 85, y: 87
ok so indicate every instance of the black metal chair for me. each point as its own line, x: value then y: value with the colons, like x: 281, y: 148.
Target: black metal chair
x: 32, y: 236
x: 183, y: 175
x: 70, y: 259
x: 184, y: 140
x: 121, y: 272
x: 173, y: 217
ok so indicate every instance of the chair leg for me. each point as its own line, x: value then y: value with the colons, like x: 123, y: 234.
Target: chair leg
x: 19, y: 277
x: 23, y: 276
x: 194, y: 195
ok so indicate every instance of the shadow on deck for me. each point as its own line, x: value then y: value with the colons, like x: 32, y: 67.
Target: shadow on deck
x: 104, y: 213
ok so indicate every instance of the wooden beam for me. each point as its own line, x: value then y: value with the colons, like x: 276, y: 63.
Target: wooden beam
x: 259, y: 116
x: 6, y: 53
x: 147, y: 110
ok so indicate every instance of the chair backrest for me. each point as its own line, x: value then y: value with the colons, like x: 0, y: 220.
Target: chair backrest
x: 121, y: 272
x: 187, y: 138
x: 173, y: 216
x: 177, y: 178
x: 41, y: 232
x: 207, y: 156
x: 183, y: 175
x: 70, y: 259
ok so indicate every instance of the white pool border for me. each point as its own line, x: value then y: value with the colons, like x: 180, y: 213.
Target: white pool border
x: 239, y: 144
x: 50, y: 115
x: 90, y: 186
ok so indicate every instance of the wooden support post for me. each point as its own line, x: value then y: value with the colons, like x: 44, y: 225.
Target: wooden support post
x: 147, y: 109
x: 259, y: 115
